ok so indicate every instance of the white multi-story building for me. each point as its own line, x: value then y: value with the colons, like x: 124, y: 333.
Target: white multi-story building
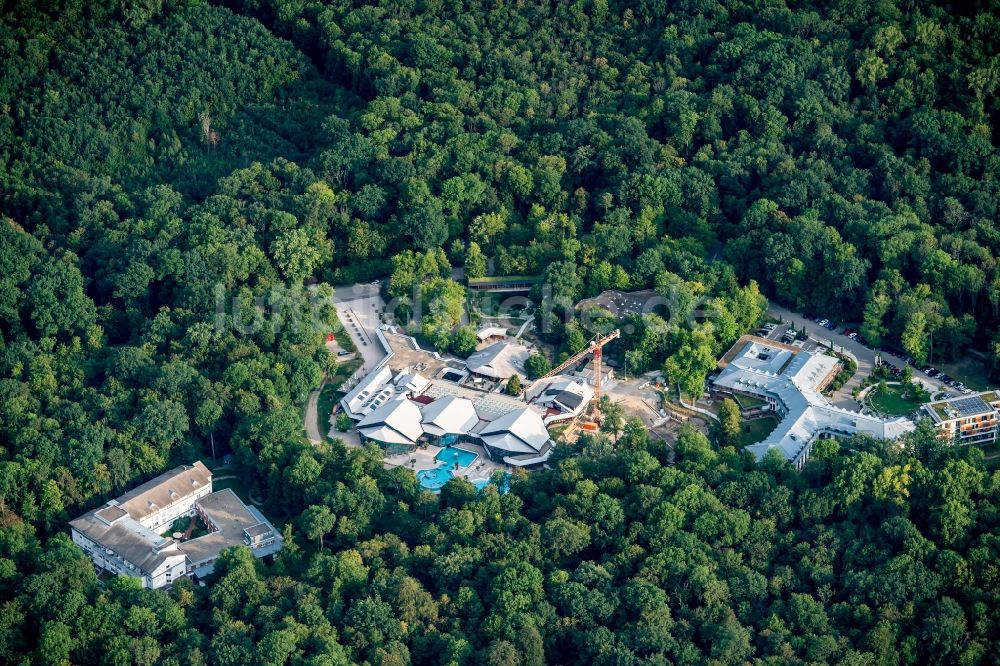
x: 790, y: 382
x: 130, y: 536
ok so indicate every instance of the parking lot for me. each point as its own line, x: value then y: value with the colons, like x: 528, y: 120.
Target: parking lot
x: 830, y: 333
x: 359, y: 307
x: 786, y: 335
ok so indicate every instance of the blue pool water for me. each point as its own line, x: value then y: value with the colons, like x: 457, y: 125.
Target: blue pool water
x: 452, y: 456
x: 433, y: 479
x: 503, y: 486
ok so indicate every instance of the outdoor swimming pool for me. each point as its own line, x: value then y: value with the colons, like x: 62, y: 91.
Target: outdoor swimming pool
x: 434, y: 479
x: 452, y: 456
x: 503, y: 486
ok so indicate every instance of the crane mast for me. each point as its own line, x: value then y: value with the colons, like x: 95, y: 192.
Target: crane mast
x: 594, y: 347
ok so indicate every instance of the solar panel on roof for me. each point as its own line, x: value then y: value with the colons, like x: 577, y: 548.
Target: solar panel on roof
x: 969, y: 406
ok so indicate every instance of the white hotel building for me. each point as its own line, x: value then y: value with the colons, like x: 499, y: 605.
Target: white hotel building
x: 790, y: 381
x: 127, y: 536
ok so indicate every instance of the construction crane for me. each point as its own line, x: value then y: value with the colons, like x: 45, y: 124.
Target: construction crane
x: 593, y: 347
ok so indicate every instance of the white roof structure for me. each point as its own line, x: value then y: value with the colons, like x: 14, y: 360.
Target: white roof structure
x: 410, y: 382
x: 791, y: 382
x: 501, y: 360
x: 396, y: 422
x: 379, y: 388
x: 520, y: 431
x: 491, y: 332
x: 449, y: 416
x: 358, y: 402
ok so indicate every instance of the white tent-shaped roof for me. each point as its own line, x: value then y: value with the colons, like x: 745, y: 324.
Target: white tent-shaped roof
x: 449, y: 415
x: 396, y: 422
x: 519, y: 431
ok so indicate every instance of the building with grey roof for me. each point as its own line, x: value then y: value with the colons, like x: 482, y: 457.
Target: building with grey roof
x: 397, y: 407
x: 230, y: 522
x: 131, y: 536
x: 491, y: 334
x: 790, y: 382
x: 518, y: 438
x: 397, y: 422
x: 562, y: 396
x: 449, y: 415
x: 501, y: 361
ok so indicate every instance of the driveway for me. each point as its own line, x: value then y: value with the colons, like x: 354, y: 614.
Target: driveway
x: 864, y: 355
x: 359, y: 307
x: 311, y: 417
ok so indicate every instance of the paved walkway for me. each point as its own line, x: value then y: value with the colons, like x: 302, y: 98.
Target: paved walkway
x: 525, y: 325
x: 349, y: 438
x: 311, y: 417
x: 421, y: 459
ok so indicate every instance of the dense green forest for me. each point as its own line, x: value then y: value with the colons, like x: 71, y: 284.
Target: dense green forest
x: 163, y: 159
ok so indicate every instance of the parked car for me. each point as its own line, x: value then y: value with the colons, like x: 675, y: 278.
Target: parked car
x: 823, y: 322
x: 343, y: 352
x: 852, y: 336
x: 809, y: 316
x: 967, y: 391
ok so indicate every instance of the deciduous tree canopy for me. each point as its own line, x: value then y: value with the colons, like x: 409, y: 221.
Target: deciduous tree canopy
x: 182, y: 180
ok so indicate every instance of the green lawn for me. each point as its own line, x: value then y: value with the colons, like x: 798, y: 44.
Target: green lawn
x: 892, y: 402
x: 182, y: 523
x: 748, y: 402
x: 345, y: 370
x: 756, y: 430
x: 236, y: 484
